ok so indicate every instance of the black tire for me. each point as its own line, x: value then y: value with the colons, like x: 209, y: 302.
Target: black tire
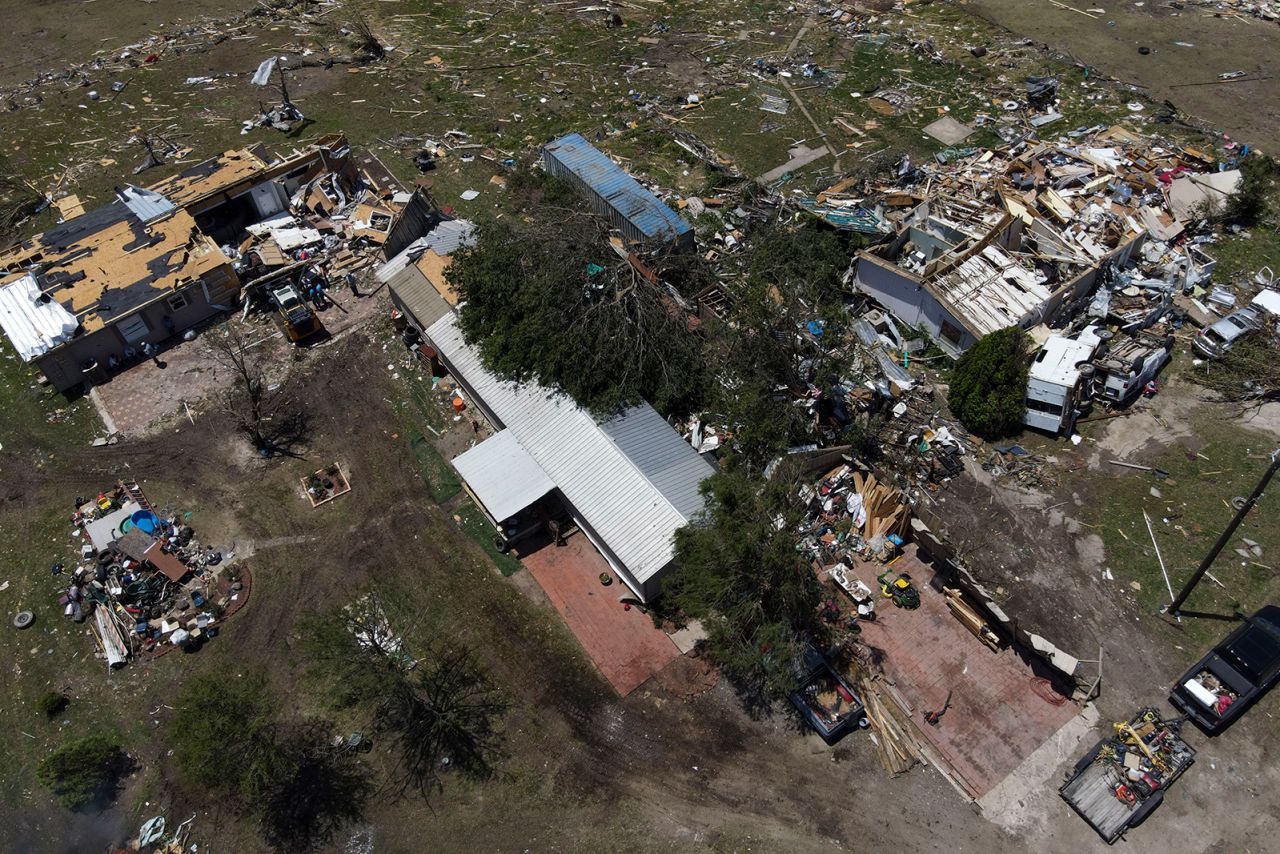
x: 23, y: 619
x: 500, y: 543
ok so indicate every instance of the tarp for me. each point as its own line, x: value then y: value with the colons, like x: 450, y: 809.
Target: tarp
x: 35, y: 327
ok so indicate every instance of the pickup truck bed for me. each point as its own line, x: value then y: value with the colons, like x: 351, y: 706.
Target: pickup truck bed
x: 1091, y: 787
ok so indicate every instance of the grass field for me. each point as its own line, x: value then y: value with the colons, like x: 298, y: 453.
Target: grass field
x: 1205, y: 472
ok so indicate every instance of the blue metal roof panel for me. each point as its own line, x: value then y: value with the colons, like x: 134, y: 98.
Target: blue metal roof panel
x: 611, y: 182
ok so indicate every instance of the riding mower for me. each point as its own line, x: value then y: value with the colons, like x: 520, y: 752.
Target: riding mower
x: 900, y: 589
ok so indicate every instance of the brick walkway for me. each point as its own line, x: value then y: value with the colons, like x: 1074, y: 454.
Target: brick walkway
x: 137, y: 398
x: 1000, y: 710
x: 624, y: 645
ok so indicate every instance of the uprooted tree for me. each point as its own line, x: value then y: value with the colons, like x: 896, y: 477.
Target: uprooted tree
x: 740, y: 574
x: 440, y: 710
x: 546, y: 299
x: 988, y: 385
x: 1248, y: 374
x: 263, y: 412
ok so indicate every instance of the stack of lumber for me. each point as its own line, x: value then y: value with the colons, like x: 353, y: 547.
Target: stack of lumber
x: 895, y: 746
x: 900, y: 744
x: 971, y: 619
x: 887, y: 513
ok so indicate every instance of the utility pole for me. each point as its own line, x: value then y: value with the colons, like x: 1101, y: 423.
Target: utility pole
x: 1176, y: 604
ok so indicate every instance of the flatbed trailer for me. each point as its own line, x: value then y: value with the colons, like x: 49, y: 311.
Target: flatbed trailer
x: 1121, y: 781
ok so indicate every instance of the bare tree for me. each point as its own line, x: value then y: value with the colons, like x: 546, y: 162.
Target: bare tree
x: 262, y: 412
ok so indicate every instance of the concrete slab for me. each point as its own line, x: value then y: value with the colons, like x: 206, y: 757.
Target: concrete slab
x: 134, y: 400
x: 948, y: 131
x: 624, y: 645
x: 1002, y: 709
x: 1017, y: 802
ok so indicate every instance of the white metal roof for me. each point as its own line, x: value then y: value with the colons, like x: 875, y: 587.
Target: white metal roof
x: 503, y: 475
x: 1057, y: 360
x: 35, y: 326
x: 633, y: 479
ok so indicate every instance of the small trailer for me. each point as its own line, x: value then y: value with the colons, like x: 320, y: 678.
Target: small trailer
x: 1123, y: 778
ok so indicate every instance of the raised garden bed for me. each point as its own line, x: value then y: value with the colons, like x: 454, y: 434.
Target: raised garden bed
x: 325, y: 485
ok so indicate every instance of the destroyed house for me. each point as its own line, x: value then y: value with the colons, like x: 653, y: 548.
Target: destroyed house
x: 629, y: 483
x: 239, y: 188
x: 90, y: 293
x: 1004, y: 240
x: 103, y: 284
x: 637, y: 213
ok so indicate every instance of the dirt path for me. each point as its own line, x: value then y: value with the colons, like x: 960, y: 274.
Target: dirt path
x: 1248, y: 111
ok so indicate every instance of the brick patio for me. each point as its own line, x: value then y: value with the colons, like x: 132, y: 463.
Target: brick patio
x: 1000, y: 709
x: 624, y: 645
x: 135, y: 399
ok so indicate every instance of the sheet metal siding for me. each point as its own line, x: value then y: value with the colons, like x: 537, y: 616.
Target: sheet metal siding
x: 633, y: 209
x: 631, y: 512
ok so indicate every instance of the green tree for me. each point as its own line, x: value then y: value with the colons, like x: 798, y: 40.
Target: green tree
x: 547, y: 299
x: 741, y: 575
x: 440, y: 710
x: 84, y: 772
x: 988, y: 385
x: 230, y: 737
x: 316, y: 790
x: 51, y: 703
x: 1251, y: 201
x: 225, y: 735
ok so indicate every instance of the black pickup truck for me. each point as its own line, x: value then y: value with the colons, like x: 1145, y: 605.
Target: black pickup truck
x: 1220, y: 686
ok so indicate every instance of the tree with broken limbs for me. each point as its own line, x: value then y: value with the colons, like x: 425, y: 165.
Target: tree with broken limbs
x: 739, y: 572
x: 549, y: 301
x: 441, y: 712
x: 262, y: 412
x: 988, y: 386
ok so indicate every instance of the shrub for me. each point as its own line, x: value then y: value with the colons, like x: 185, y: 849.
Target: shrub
x: 1249, y: 204
x: 83, y: 772
x: 51, y: 703
x: 989, y: 384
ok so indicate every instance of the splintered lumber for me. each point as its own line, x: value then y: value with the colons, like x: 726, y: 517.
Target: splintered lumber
x: 886, y: 511
x: 970, y: 618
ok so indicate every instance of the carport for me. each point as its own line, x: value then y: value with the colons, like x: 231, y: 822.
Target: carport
x: 501, y: 477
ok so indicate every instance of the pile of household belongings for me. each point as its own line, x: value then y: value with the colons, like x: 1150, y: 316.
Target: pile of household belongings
x: 849, y: 513
x: 143, y: 579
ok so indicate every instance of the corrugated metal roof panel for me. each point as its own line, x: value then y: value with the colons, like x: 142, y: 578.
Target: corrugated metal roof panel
x: 503, y: 475
x: 418, y: 296
x: 634, y: 479
x: 622, y: 192
x: 34, y: 325
x: 146, y: 205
